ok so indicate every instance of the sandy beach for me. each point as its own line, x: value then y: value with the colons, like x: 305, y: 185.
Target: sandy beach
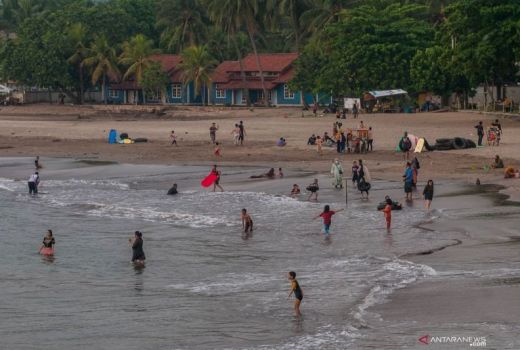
x: 82, y: 132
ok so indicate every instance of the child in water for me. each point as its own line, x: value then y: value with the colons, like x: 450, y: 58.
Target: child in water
x: 138, y: 256
x: 388, y: 213
x: 47, y: 247
x: 298, y: 293
x: 247, y: 222
x: 327, y: 218
x: 295, y: 190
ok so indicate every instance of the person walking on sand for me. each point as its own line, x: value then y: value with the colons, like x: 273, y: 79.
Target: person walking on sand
x: 297, y: 291
x: 480, y: 133
x: 363, y: 179
x: 355, y: 173
x: 405, y: 145
x: 213, y: 132
x: 242, y: 133
x: 216, y: 151
x: 136, y: 243
x: 327, y: 219
x: 247, y: 222
x: 355, y: 110
x: 388, y: 214
x: 47, y: 247
x: 173, y: 138
x: 217, y: 174
x: 313, y: 188
x: 236, y: 135
x: 370, y: 138
x: 415, y: 168
x: 428, y: 194
x: 337, y: 173
x: 319, y: 143
x: 408, y: 181
x: 33, y: 183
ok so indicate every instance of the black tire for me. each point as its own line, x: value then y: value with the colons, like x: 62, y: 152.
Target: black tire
x: 439, y: 141
x: 458, y: 143
x: 470, y: 144
x: 427, y: 146
x: 443, y: 147
x: 140, y: 139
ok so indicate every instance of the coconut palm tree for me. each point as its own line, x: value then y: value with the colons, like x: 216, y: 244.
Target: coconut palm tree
x: 136, y: 57
x: 76, y: 35
x: 294, y: 10
x: 239, y: 14
x: 320, y: 13
x: 101, y: 58
x: 182, y: 22
x: 196, y: 66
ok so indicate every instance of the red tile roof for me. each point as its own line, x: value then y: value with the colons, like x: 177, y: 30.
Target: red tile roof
x: 270, y: 62
x: 253, y: 85
x: 168, y: 62
x: 221, y: 75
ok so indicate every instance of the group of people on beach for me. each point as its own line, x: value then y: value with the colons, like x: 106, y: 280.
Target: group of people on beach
x: 494, y: 133
x: 344, y: 139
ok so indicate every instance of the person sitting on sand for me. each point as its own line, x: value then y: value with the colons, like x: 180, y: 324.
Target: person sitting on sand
x: 498, y: 164
x: 136, y: 243
x: 295, y: 190
x: 47, y: 247
x: 270, y: 175
x: 173, y: 190
x: 312, y: 140
x: 281, y: 142
x: 510, y: 173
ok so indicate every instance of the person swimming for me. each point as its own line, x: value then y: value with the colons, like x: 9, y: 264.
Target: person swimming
x: 297, y: 291
x: 138, y: 256
x: 173, y: 190
x: 47, y: 247
x: 247, y: 222
x: 295, y: 190
x: 270, y: 175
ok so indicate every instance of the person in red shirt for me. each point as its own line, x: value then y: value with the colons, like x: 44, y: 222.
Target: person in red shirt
x: 388, y: 213
x: 327, y: 218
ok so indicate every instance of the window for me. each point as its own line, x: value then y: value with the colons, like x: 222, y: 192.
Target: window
x: 287, y: 93
x: 113, y: 93
x: 176, y: 90
x: 219, y: 93
x: 156, y: 96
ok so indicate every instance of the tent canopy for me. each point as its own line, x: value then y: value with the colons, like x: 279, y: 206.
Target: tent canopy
x: 4, y: 89
x: 386, y: 93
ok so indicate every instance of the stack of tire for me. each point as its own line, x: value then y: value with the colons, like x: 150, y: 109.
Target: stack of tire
x: 454, y: 143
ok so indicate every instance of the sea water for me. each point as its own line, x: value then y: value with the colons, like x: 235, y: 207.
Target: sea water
x: 205, y: 284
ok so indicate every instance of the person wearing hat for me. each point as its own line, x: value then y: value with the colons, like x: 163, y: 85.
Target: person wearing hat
x: 138, y: 256
x: 33, y: 183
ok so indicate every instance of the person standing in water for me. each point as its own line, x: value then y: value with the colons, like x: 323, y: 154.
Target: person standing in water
x: 388, y: 213
x: 217, y: 173
x: 408, y: 181
x: 428, y: 194
x: 47, y: 247
x: 138, y: 256
x: 297, y: 291
x: 37, y: 164
x: 327, y: 219
x: 247, y: 222
x: 33, y: 183
x: 313, y: 188
x: 337, y: 172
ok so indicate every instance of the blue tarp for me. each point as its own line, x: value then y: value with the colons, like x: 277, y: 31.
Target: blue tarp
x: 112, y: 136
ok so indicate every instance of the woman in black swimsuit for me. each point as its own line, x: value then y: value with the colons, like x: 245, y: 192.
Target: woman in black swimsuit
x: 138, y: 256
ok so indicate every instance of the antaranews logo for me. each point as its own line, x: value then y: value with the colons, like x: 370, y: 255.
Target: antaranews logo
x: 425, y: 339
x: 471, y: 341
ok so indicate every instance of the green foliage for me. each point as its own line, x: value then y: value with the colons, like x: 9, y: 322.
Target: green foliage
x: 197, y: 66
x: 136, y: 56
x: 155, y: 80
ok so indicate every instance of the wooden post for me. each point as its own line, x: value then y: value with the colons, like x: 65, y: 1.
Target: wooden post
x: 346, y: 191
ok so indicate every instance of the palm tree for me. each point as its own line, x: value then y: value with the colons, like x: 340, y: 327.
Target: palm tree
x: 25, y: 9
x: 320, y: 13
x: 101, y: 58
x: 197, y: 66
x: 182, y: 23
x: 136, y: 56
x: 294, y: 10
x: 238, y: 14
x: 76, y: 35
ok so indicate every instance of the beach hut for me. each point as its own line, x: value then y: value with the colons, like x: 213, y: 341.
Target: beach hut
x: 383, y: 101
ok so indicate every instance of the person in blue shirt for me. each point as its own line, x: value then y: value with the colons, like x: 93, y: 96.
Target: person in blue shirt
x: 408, y: 181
